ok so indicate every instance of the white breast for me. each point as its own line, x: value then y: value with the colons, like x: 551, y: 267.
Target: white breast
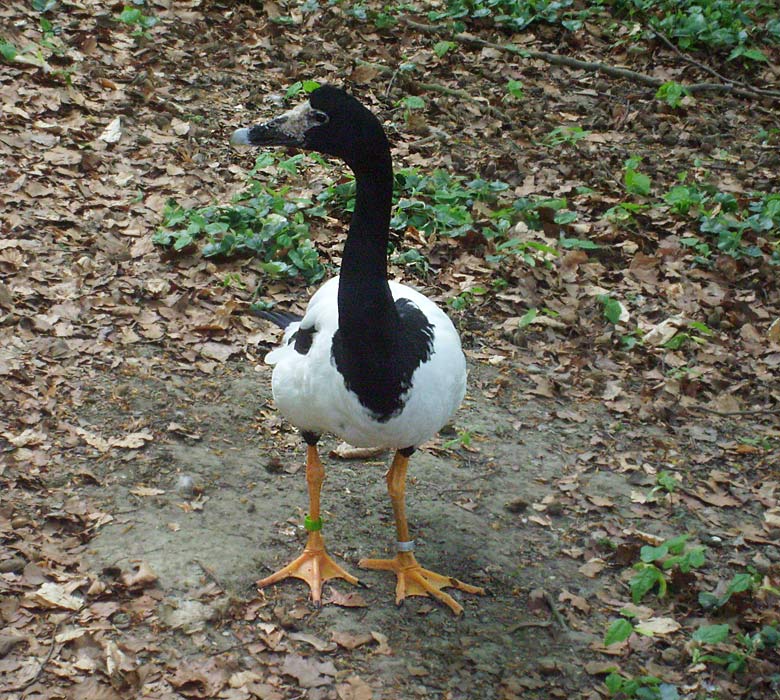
x: 311, y: 394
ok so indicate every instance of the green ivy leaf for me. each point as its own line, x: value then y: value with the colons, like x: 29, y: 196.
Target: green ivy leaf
x: 740, y: 583
x: 413, y: 102
x: 579, y: 244
x: 637, y: 183
x: 649, y: 554
x: 711, y: 634
x: 7, y: 51
x: 618, y: 631
x: 527, y: 318
x: 440, y: 48
x: 515, y: 89
x: 612, y: 309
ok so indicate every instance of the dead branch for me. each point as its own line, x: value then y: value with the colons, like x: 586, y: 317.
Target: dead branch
x: 44, y: 663
x: 712, y: 71
x: 746, y: 412
x: 437, y: 87
x: 589, y: 66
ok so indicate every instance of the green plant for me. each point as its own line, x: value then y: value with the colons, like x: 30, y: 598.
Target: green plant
x: 514, y: 14
x: 664, y: 482
x: 514, y: 90
x: 301, y: 86
x: 720, y: 24
x: 613, y: 310
x: 462, y: 439
x: 134, y: 17
x: 634, y: 181
x: 410, y: 103
x: 740, y: 583
x: 263, y: 222
x: 466, y: 298
x: 734, y: 656
x: 639, y: 688
x: 672, y: 93
x: 8, y: 51
x: 696, y: 334
x: 441, y: 48
x: 569, y: 135
x: 671, y: 554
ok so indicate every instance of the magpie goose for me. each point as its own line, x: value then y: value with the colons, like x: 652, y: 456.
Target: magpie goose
x: 372, y: 361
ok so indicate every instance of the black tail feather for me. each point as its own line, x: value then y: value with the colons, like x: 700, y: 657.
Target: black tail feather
x: 279, y: 318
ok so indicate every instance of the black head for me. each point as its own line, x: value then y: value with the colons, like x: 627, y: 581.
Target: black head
x: 331, y: 122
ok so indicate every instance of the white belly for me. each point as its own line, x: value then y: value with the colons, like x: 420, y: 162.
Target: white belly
x: 311, y: 394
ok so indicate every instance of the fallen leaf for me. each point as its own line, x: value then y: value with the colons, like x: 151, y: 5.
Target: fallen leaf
x: 113, y: 132
x: 657, y: 626
x: 346, y: 600
x: 354, y: 689
x: 592, y: 568
x: 141, y: 577
x: 144, y: 491
x: 350, y: 640
x: 133, y: 441
x: 381, y: 640
x: 316, y: 642
x: 54, y: 595
x: 309, y: 672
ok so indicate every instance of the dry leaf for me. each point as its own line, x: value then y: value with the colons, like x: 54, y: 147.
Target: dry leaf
x: 592, y: 568
x: 350, y: 640
x: 346, y: 600
x: 381, y: 640
x: 133, y: 441
x: 54, y: 595
x: 316, y: 642
x: 309, y: 672
x: 141, y: 577
x: 113, y: 132
x: 144, y: 491
x: 656, y: 626
x: 354, y: 689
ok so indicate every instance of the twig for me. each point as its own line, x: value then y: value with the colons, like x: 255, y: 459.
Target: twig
x: 44, y: 663
x: 531, y: 623
x: 712, y: 71
x: 746, y: 412
x: 555, y: 612
x: 211, y: 575
x: 589, y: 66
x: 437, y: 87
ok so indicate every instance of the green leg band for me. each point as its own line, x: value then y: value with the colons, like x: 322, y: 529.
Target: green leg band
x: 312, y: 525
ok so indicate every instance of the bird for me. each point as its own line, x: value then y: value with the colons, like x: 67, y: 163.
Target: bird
x: 371, y: 361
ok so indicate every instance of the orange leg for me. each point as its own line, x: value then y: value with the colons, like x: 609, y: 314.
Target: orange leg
x: 315, y: 565
x: 412, y: 579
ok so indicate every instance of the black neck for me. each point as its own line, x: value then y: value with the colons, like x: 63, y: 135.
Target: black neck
x: 365, y: 303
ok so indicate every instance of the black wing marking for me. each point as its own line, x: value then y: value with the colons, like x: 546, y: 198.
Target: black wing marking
x: 303, y: 338
x: 379, y: 364
x: 278, y: 318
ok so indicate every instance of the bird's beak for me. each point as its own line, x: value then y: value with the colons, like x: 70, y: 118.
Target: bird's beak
x: 288, y: 129
x: 271, y: 133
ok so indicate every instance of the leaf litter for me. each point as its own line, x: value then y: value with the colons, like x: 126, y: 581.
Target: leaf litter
x: 113, y: 354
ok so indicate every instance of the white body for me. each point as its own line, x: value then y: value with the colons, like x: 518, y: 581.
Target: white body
x: 311, y: 393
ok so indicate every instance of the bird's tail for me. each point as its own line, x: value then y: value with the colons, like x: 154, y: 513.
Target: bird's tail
x: 279, y: 318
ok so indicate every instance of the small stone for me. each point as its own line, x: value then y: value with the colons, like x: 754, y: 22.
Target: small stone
x: 517, y: 505
x: 274, y: 465
x: 555, y: 508
x: 547, y: 665
x: 671, y: 655
x: 185, y: 485
x: 12, y: 566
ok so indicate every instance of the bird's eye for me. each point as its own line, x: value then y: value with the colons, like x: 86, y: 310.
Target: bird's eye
x: 320, y: 117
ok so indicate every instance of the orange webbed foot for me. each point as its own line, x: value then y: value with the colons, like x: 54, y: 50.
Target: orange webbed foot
x: 314, y: 566
x: 412, y: 579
